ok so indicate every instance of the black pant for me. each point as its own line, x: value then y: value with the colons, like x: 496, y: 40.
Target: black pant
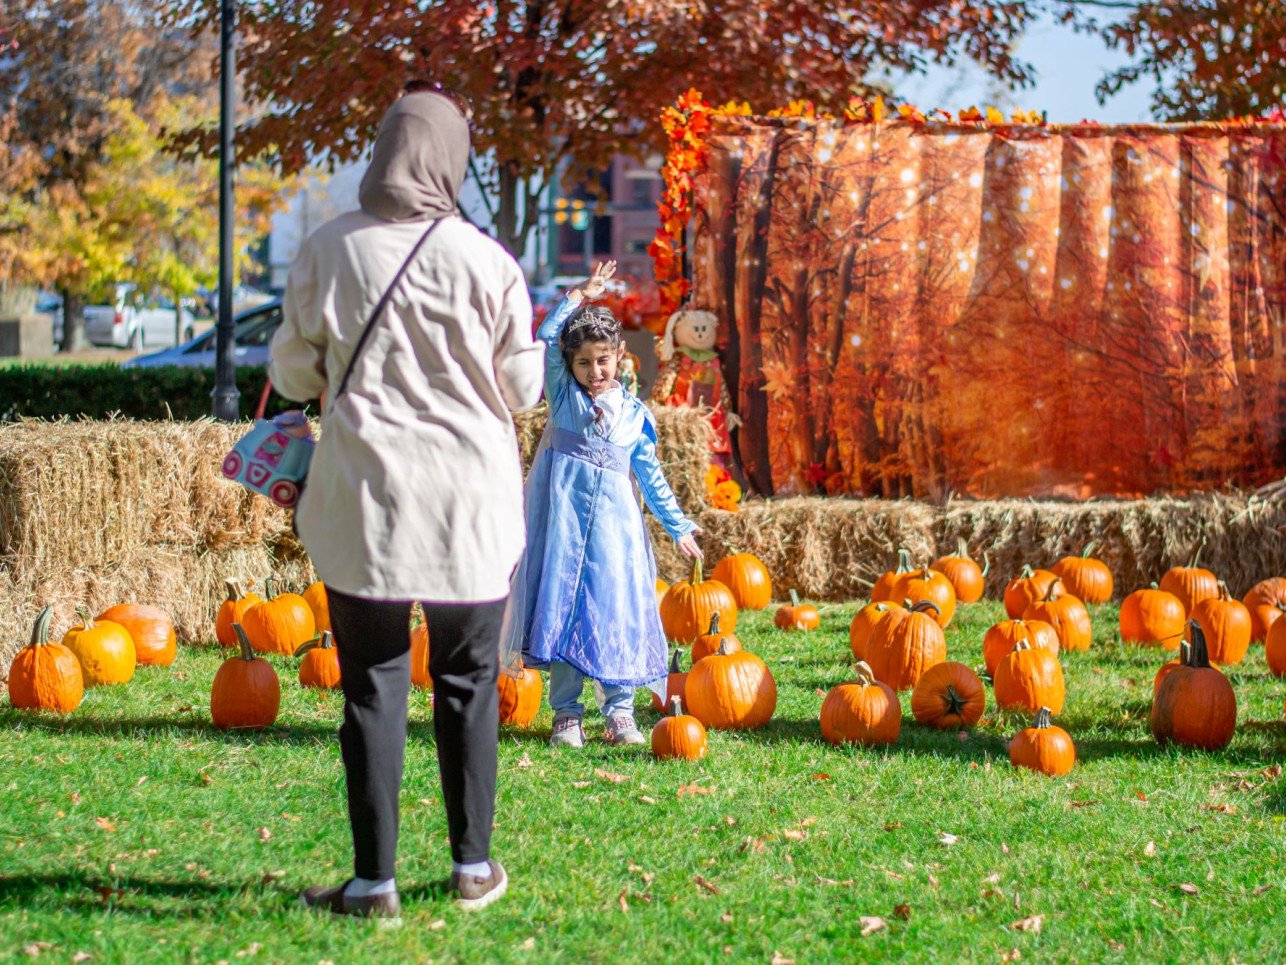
x: 373, y: 640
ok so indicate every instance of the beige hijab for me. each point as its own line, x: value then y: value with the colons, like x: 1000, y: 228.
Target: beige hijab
x: 419, y: 160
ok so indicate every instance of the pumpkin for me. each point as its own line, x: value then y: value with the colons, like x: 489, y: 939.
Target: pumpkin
x: 246, y: 693
x: 319, y: 663
x: 905, y: 644
x: 233, y: 610
x: 520, y: 696
x: 315, y: 597
x: 280, y: 624
x: 661, y: 587
x: 948, y: 696
x: 1152, y: 617
x: 1000, y: 639
x: 1265, y: 600
x: 45, y: 675
x: 678, y: 735
x: 688, y: 605
x: 731, y: 691
x: 1084, y: 577
x: 926, y: 584
x: 1275, y: 646
x: 1028, y: 587
x: 674, y: 684
x: 149, y: 628
x: 966, y: 577
x: 1066, y: 614
x: 1170, y: 666
x: 1043, y: 747
x: 864, y: 623
x: 1195, y: 705
x: 1226, y: 624
x: 709, y: 641
x: 1030, y: 678
x: 888, y: 586
x: 865, y: 711
x: 420, y: 678
x: 797, y: 616
x: 1191, y: 584
x: 104, y: 650
x: 747, y: 579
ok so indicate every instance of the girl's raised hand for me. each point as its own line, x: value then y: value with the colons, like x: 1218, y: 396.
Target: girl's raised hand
x: 597, y: 283
x: 689, y: 548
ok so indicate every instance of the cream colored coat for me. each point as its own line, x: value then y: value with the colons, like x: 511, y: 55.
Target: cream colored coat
x: 415, y: 490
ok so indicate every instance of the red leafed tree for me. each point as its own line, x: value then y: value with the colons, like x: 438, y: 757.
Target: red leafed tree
x: 559, y: 87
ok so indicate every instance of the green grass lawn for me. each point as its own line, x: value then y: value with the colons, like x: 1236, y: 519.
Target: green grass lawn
x: 133, y: 832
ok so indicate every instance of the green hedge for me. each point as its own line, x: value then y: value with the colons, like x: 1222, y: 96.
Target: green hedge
x: 97, y: 391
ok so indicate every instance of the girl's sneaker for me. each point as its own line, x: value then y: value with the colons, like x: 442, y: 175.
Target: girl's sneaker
x: 622, y: 730
x: 567, y: 732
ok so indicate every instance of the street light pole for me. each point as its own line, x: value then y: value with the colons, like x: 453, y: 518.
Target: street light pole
x: 226, y: 396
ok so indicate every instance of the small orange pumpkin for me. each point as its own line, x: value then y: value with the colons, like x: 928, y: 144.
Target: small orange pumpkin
x: 1152, y: 617
x: 520, y: 697
x: 968, y: 579
x: 865, y: 712
x: 1195, y: 706
x: 1266, y: 601
x: 747, y: 578
x: 231, y: 611
x: 797, y: 616
x: 889, y: 586
x: 661, y: 587
x: 319, y: 663
x: 105, y: 650
x: 678, y: 735
x: 1043, y: 747
x: 675, y: 683
x: 246, y: 693
x: 1066, y: 614
x: 688, y: 605
x: 731, y: 691
x: 926, y: 584
x: 149, y: 628
x: 905, y: 644
x: 315, y: 597
x: 1084, y: 577
x: 1227, y: 626
x: 1190, y: 584
x: 1275, y: 646
x: 709, y: 641
x: 280, y: 624
x: 864, y: 623
x: 420, y: 678
x: 1030, y: 678
x: 948, y: 696
x: 1026, y: 588
x: 45, y: 675
x: 1000, y: 639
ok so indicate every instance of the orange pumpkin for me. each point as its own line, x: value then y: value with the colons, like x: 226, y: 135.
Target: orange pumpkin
x: 1000, y: 639
x: 709, y: 641
x: 731, y: 691
x: 1066, y: 614
x: 1226, y: 624
x: 1195, y: 705
x: 1043, y: 747
x: 1171, y: 666
x: 948, y: 696
x: 420, y: 678
x: 747, y: 578
x: 1275, y: 646
x: 1026, y: 588
x: 1030, y: 678
x: 661, y: 587
x: 674, y: 684
x: 905, y: 644
x: 1190, y: 584
x: 315, y: 597
x: 688, y: 605
x: 1084, y: 577
x: 45, y: 675
x: 319, y: 663
x: 929, y: 584
x: 233, y: 610
x: 149, y: 628
x: 889, y: 586
x: 520, y: 696
x: 863, y: 625
x: 797, y: 616
x: 678, y: 735
x: 864, y: 712
x: 280, y: 624
x: 1266, y: 601
x: 1152, y: 617
x: 967, y: 578
x: 104, y: 650
x: 246, y: 693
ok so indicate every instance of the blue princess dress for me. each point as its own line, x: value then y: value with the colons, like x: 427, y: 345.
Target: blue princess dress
x: 585, y: 590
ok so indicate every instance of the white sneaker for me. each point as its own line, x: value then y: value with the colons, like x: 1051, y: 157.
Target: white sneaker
x: 567, y: 732
x: 622, y: 730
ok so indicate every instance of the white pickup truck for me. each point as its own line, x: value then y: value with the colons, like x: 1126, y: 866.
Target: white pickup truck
x: 137, y: 321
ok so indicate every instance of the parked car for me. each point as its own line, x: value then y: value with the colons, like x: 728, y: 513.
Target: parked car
x: 51, y: 304
x: 136, y: 321
x: 254, y: 330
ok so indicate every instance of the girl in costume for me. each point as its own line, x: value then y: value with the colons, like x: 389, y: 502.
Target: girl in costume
x: 584, y: 600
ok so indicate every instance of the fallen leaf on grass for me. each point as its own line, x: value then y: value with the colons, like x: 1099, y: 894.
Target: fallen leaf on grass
x: 647, y: 799
x: 726, y: 918
x: 947, y: 839
x: 528, y: 945
x: 610, y: 776
x: 580, y: 784
x: 1084, y: 804
x: 437, y: 925
x: 871, y: 924
x: 1220, y: 808
x: 1013, y: 955
x: 893, y: 826
x: 1004, y: 848
x: 1018, y: 901
x: 779, y: 959
x: 35, y: 948
x: 933, y: 882
x: 691, y: 790
x: 105, y: 824
x: 1272, y: 772
x: 524, y: 761
x: 1157, y: 903
x: 624, y: 905
x: 894, y: 875
x: 1032, y: 923
x: 821, y: 776
x: 992, y: 879
x: 141, y: 781
x: 1140, y: 795
x: 752, y: 844
x: 75, y: 797
x: 793, y: 835
x: 1115, y: 945
x: 706, y: 884
x: 81, y: 957
x: 265, y: 834
x: 1189, y: 889
x: 251, y: 950
x: 729, y: 820
x: 902, y: 911
x: 1150, y: 849
x: 1261, y: 889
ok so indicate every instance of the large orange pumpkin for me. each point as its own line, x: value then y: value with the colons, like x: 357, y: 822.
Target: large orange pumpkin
x: 905, y: 644
x: 280, y: 624
x: 1043, y: 747
x: 420, y: 678
x: 105, y: 650
x: 319, y: 663
x: 149, y: 628
x: 1066, y: 614
x: 1275, y: 646
x: 246, y: 693
x: 948, y: 696
x: 1265, y: 601
x: 926, y: 584
x: 1086, y: 578
x: 45, y: 675
x: 888, y: 586
x: 231, y: 611
x: 747, y: 579
x: 688, y: 605
x: 520, y: 697
x: 1026, y: 588
x: 796, y: 615
x: 1226, y: 624
x: 709, y: 641
x: 1000, y: 639
x: 1195, y: 705
x: 675, y: 683
x: 1191, y: 584
x: 315, y: 597
x: 864, y: 623
x: 1030, y: 678
x: 679, y: 735
x: 968, y: 579
x: 864, y: 712
x: 1152, y: 617
x: 732, y: 691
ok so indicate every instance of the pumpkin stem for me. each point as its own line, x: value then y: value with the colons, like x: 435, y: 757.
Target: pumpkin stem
x: 1198, y: 655
x: 40, y: 631
x: 865, y: 676
x: 1196, y: 556
x: 1023, y: 644
x: 676, y: 706
x: 962, y: 548
x: 986, y: 561
x: 1154, y: 586
x: 904, y: 560
x: 86, y: 618
x: 323, y: 642
x: 1089, y: 548
x: 955, y: 704
x: 327, y: 640
x: 1049, y: 593
x: 794, y: 598
x: 922, y: 606
x: 1223, y: 591
x: 247, y: 651
x: 674, y: 662
x: 723, y: 650
x: 696, y: 571
x: 1027, y: 572
x: 234, y: 590
x: 714, y: 624
x: 1042, y: 718
x: 268, y: 584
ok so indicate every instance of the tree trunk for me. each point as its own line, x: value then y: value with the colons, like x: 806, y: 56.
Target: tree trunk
x: 511, y: 232
x: 178, y: 318
x: 73, y: 322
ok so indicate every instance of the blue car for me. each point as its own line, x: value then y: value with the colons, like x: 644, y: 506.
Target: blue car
x: 254, y: 330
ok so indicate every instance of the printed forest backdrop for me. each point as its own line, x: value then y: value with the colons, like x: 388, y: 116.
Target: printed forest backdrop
x: 998, y: 310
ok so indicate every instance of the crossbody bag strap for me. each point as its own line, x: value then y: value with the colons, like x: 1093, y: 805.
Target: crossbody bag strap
x: 379, y: 309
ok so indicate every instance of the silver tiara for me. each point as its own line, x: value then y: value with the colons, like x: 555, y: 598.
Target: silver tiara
x: 585, y: 316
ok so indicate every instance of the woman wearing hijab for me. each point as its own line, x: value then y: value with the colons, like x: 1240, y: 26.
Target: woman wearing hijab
x: 415, y: 488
